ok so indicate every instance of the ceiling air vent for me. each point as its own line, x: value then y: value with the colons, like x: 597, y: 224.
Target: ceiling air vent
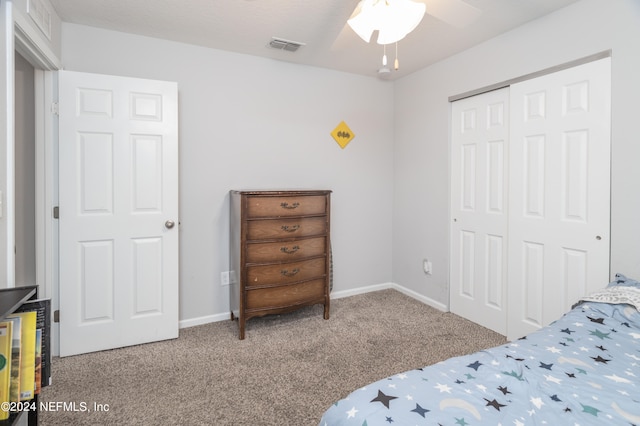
x: 282, y: 44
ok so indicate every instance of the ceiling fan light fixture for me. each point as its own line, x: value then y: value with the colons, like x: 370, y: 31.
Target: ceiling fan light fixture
x: 393, y: 19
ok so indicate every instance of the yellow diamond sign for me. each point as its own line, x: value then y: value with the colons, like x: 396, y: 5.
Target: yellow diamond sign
x: 342, y: 134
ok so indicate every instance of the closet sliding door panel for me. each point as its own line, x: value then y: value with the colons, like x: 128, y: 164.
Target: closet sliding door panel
x: 559, y: 193
x: 479, y: 208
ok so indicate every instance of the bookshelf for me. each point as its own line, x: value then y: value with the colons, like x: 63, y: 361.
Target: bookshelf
x: 10, y: 300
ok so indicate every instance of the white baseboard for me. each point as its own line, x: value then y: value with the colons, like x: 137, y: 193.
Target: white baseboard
x: 424, y: 299
x: 203, y: 320
x: 335, y: 295
x: 361, y: 290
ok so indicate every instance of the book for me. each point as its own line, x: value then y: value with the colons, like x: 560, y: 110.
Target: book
x: 42, y: 307
x: 27, y: 354
x: 37, y: 377
x: 5, y: 366
x: 16, y: 342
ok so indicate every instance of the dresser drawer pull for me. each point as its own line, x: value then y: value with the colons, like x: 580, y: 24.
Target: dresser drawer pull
x: 289, y: 207
x: 289, y: 251
x: 287, y: 228
x: 286, y: 273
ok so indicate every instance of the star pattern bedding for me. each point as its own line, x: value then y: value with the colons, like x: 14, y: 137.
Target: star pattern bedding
x: 584, y: 369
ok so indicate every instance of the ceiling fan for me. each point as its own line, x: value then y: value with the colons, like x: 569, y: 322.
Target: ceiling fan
x: 394, y: 19
x: 454, y: 12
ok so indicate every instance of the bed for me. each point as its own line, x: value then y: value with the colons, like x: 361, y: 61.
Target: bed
x: 583, y: 369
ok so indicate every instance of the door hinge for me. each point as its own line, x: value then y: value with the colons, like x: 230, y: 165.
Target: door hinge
x: 56, y: 315
x: 56, y: 212
x: 55, y: 108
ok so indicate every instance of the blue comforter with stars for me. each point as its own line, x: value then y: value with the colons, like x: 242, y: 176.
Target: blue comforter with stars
x: 584, y: 369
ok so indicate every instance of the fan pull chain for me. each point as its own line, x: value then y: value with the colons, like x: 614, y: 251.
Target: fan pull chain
x: 396, y: 64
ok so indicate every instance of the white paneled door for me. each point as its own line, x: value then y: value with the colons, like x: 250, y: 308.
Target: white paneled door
x: 530, y: 198
x: 118, y: 197
x: 480, y: 134
x: 559, y: 193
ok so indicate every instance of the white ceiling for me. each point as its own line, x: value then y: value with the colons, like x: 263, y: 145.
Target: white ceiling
x: 247, y: 26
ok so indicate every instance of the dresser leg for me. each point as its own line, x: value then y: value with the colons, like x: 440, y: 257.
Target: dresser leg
x: 241, y: 323
x: 326, y: 311
x: 233, y: 317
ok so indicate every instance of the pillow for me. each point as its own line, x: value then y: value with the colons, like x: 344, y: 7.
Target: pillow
x: 621, y: 280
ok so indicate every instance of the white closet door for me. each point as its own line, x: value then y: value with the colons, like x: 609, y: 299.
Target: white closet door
x: 479, y: 208
x: 559, y: 193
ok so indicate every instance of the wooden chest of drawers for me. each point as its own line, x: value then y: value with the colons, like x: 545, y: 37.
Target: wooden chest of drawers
x: 279, y: 252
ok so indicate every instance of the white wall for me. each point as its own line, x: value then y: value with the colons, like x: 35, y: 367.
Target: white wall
x: 254, y: 123
x: 421, y: 172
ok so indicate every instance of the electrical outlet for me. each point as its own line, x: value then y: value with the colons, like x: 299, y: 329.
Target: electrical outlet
x: 224, y: 278
x: 232, y: 277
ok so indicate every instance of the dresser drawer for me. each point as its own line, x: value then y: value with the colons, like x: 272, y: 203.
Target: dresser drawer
x: 285, y: 250
x: 285, y: 273
x: 286, y: 228
x: 285, y: 206
x: 287, y: 295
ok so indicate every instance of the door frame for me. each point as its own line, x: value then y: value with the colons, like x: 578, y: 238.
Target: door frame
x: 550, y: 70
x: 46, y: 64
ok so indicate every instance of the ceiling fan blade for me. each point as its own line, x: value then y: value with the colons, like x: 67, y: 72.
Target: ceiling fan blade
x: 347, y: 39
x: 453, y: 12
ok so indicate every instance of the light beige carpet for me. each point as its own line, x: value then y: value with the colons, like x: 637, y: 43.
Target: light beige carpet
x: 288, y: 370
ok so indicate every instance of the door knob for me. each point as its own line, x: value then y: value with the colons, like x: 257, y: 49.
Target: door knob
x: 169, y: 224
